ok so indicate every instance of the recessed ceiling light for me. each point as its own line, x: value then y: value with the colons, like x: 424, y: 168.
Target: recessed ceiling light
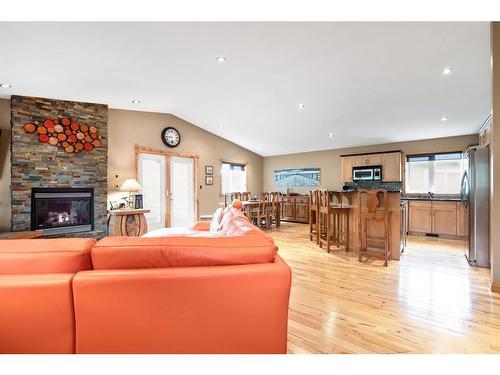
x: 220, y: 59
x: 444, y: 119
x: 135, y: 101
x: 5, y: 85
x: 447, y: 70
x: 301, y: 105
x: 330, y: 135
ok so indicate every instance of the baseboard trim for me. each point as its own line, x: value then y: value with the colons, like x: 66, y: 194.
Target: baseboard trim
x: 495, y: 287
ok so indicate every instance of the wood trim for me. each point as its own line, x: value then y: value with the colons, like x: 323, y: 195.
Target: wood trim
x: 147, y: 150
x: 168, y: 154
x: 495, y: 287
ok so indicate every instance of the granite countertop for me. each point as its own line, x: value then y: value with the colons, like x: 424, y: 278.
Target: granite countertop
x: 450, y: 198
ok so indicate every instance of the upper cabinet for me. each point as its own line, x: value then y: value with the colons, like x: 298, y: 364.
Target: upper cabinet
x: 391, y: 167
x: 347, y: 164
x: 391, y: 162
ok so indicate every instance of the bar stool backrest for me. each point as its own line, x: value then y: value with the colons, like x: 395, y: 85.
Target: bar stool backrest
x: 372, y: 201
x: 313, y: 197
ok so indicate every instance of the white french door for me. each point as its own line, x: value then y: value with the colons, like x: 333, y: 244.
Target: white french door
x: 151, y: 173
x: 182, y: 200
x: 168, y: 188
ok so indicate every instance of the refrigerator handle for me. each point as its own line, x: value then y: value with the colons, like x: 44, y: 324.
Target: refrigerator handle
x: 463, y: 193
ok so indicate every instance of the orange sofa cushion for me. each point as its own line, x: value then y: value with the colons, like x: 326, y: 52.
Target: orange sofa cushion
x: 37, y: 256
x: 234, y: 309
x: 36, y: 313
x: 157, y: 252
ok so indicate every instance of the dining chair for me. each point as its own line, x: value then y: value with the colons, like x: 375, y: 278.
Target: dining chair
x: 314, y: 216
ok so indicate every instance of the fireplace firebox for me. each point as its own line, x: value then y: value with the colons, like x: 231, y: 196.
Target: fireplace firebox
x: 62, y: 210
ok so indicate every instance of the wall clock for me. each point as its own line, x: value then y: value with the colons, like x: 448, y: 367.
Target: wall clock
x: 171, y: 137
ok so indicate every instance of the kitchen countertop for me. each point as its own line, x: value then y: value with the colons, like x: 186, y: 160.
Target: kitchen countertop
x: 437, y: 198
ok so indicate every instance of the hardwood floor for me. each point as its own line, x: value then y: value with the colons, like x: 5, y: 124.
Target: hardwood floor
x: 429, y: 302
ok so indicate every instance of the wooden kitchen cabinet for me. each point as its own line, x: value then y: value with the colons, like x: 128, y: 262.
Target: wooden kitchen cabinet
x: 436, y: 217
x: 359, y: 160
x: 346, y: 168
x: 374, y: 159
x: 295, y: 208
x: 444, y: 218
x: 391, y: 167
x: 391, y: 162
x: 420, y: 217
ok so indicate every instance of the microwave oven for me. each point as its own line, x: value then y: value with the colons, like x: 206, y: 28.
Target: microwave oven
x: 371, y: 173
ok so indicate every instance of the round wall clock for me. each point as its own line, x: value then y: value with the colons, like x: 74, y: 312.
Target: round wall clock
x: 171, y: 137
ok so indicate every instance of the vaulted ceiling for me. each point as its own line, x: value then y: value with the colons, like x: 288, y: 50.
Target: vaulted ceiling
x: 363, y: 83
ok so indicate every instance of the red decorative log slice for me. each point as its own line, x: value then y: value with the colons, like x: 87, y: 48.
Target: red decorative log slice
x: 43, y: 138
x: 72, y: 138
x: 79, y: 146
x: 53, y: 141
x: 49, y: 123
x: 88, y: 147
x: 74, y: 126
x: 65, y: 121
x: 61, y: 137
x: 29, y: 128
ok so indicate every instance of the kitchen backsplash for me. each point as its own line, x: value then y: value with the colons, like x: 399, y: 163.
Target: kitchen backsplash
x: 389, y: 186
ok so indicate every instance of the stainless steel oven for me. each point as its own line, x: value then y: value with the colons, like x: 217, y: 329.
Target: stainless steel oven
x: 371, y: 173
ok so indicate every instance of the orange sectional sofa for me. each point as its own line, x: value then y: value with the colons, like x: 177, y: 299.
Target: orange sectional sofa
x: 146, y: 295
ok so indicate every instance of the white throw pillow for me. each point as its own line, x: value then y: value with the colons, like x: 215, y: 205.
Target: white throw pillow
x: 215, y: 223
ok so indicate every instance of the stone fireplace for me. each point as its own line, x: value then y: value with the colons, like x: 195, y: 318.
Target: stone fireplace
x: 42, y: 168
x: 62, y: 210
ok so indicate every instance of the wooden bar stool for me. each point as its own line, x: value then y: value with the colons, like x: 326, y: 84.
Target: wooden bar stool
x: 314, y: 216
x: 325, y: 222
x: 373, y: 206
x: 341, y: 217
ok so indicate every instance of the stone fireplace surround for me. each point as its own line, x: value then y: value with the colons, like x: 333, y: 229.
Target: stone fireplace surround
x: 40, y: 165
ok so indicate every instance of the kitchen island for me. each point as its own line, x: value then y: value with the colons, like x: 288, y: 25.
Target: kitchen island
x: 375, y: 229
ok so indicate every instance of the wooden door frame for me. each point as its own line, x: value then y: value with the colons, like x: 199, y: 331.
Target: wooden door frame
x: 168, y: 154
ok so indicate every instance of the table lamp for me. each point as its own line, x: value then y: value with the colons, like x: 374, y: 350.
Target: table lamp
x: 131, y: 185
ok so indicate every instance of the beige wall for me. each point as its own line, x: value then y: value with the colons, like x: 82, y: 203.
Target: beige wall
x: 495, y: 158
x: 129, y: 128
x: 329, y: 161
x: 5, y: 165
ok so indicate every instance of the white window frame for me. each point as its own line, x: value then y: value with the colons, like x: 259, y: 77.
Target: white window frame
x: 431, y: 159
x: 233, y: 164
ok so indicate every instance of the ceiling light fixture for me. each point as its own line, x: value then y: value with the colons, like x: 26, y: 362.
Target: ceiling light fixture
x: 220, y: 59
x: 330, y: 135
x: 446, y: 71
x: 444, y: 119
x: 5, y: 85
x: 301, y: 105
x: 135, y: 101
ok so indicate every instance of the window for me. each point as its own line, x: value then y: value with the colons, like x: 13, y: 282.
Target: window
x: 437, y: 173
x: 233, y: 177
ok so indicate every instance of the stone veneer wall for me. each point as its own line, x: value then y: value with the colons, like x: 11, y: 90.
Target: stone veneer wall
x: 36, y: 164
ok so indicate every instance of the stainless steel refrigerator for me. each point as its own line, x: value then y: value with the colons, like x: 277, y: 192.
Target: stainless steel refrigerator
x: 475, y: 194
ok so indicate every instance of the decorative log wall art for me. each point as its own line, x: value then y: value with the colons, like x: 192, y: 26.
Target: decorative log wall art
x: 66, y: 133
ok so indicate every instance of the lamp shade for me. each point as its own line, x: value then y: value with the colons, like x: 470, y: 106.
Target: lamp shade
x: 130, y: 185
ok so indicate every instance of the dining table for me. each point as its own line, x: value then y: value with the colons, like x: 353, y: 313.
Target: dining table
x: 247, y: 206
